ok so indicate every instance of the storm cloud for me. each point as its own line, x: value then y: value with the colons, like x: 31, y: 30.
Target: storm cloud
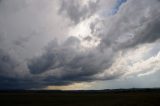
x: 45, y: 43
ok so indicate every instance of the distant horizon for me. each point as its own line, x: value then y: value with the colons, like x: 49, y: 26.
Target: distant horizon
x: 154, y: 88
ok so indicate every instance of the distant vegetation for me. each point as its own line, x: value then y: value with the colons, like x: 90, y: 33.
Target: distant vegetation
x: 119, y: 97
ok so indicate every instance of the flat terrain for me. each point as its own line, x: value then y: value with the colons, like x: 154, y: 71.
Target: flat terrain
x: 80, y: 98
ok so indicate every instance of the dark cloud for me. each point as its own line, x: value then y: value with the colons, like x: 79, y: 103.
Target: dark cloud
x: 20, y: 83
x: 70, y: 63
x: 7, y: 64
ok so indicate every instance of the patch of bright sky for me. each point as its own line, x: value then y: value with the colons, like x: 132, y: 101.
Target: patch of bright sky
x: 147, y: 73
x: 154, y: 50
x: 82, y: 30
x: 75, y: 86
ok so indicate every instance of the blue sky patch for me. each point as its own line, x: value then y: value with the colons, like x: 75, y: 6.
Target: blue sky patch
x: 117, y: 6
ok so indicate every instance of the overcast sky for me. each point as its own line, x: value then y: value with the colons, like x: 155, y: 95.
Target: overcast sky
x: 79, y: 44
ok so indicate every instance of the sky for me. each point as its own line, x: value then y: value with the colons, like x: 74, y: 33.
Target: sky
x: 79, y: 44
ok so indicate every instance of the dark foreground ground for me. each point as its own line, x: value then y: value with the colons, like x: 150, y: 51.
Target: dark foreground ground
x: 133, y: 97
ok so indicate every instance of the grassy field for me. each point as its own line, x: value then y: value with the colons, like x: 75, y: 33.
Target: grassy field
x: 139, y: 98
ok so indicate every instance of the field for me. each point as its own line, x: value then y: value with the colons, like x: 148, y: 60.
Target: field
x: 80, y: 98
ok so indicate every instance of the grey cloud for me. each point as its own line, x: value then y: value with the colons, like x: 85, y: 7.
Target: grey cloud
x: 131, y: 24
x: 150, y: 34
x: 76, y: 11
x: 88, y: 38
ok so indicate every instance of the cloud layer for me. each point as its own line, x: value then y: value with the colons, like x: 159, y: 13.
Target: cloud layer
x: 45, y: 43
